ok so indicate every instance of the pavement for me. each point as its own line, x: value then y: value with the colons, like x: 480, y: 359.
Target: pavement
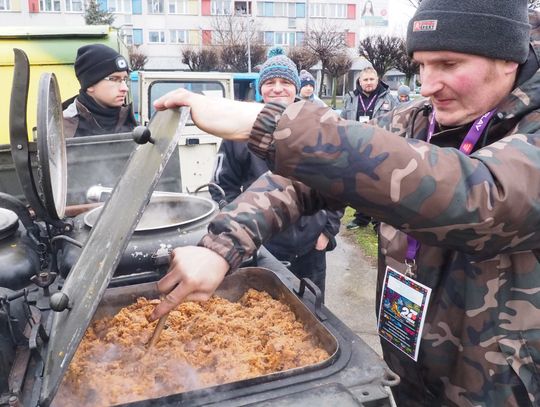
x: 350, y: 289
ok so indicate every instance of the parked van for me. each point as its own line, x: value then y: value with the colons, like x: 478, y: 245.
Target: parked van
x: 197, y: 149
x: 49, y: 49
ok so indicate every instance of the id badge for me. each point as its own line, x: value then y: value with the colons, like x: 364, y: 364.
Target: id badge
x: 402, y: 312
x: 363, y: 119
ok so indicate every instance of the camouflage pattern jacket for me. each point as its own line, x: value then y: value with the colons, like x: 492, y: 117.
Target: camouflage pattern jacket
x: 477, y: 219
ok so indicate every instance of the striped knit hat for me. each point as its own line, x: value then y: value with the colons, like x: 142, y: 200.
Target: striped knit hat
x: 278, y: 65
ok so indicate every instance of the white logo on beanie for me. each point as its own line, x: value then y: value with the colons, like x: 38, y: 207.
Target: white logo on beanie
x: 121, y: 63
x: 425, y: 25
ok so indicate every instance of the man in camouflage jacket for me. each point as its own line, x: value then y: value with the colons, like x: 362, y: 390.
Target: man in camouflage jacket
x: 475, y: 213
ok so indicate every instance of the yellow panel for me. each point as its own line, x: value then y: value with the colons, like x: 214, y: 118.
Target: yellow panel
x: 48, y: 50
x: 67, y: 82
x: 193, y: 7
x: 194, y: 37
x: 15, y: 5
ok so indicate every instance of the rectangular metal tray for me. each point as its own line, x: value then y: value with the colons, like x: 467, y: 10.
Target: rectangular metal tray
x: 232, y: 289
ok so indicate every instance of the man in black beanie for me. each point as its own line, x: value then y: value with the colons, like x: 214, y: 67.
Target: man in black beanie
x: 453, y: 178
x: 100, y: 107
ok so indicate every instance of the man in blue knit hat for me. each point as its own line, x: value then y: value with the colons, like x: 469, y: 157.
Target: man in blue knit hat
x: 305, y: 243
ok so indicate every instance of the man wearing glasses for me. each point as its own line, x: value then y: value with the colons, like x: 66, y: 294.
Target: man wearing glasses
x: 100, y: 107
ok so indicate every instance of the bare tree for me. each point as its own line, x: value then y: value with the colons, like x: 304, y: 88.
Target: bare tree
x: 303, y: 57
x: 325, y: 41
x: 137, y: 58
x: 415, y: 3
x: 234, y: 57
x: 338, y: 65
x: 201, y: 59
x: 406, y: 65
x: 383, y: 52
x: 233, y: 33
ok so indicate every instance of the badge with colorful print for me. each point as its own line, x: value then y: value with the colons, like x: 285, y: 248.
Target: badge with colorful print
x: 402, y: 310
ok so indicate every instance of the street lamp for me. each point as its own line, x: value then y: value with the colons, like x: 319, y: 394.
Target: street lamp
x: 249, y: 21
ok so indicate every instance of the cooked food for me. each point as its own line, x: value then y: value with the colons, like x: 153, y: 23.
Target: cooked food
x: 203, y: 344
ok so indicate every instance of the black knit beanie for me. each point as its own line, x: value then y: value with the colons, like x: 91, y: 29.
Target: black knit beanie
x: 96, y: 61
x: 496, y: 29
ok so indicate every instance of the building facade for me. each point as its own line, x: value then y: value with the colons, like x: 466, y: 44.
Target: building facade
x: 163, y: 27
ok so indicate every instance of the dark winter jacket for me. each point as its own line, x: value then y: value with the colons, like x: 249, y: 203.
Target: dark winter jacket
x: 236, y: 168
x: 385, y: 102
x: 79, y: 121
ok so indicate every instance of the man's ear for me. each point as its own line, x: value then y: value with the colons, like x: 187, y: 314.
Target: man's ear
x: 510, y: 67
x: 90, y: 89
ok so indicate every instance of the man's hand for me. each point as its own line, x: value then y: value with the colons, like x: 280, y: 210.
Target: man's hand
x: 194, y: 274
x: 221, y: 117
x: 322, y: 242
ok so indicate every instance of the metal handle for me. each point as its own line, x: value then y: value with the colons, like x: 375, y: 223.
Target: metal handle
x: 306, y: 282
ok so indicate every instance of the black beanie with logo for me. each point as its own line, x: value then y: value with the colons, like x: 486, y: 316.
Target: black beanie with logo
x: 96, y: 61
x: 497, y: 29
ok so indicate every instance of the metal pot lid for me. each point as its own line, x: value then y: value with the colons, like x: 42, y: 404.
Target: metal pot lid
x: 163, y: 212
x: 52, y: 157
x: 87, y: 281
x: 9, y: 223
x: 47, y: 195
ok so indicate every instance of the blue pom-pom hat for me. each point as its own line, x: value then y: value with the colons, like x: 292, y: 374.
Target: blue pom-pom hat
x: 278, y: 65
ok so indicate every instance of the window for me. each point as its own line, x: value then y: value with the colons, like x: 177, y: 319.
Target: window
x: 155, y: 7
x: 178, y: 7
x: 280, y: 38
x: 73, y: 6
x: 127, y: 36
x: 317, y: 10
x: 280, y: 9
x: 49, y: 5
x: 337, y: 10
x: 120, y: 6
x: 220, y: 7
x: 159, y: 88
x: 137, y: 36
x: 300, y: 37
x: 242, y: 8
x: 156, y: 37
x: 179, y: 36
x: 4, y: 5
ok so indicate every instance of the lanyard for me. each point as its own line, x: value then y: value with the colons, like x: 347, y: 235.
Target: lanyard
x: 373, y: 98
x: 467, y: 145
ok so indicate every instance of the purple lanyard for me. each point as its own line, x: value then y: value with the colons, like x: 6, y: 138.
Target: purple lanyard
x: 466, y: 147
x: 369, y: 104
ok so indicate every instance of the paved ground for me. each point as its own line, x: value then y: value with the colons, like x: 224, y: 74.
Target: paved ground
x: 350, y: 289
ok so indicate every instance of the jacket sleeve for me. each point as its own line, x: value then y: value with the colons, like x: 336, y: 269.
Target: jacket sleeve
x: 333, y: 223
x: 228, y: 170
x: 346, y: 106
x: 268, y: 206
x: 441, y: 196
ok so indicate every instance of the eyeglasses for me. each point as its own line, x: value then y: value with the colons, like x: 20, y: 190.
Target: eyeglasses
x: 118, y: 80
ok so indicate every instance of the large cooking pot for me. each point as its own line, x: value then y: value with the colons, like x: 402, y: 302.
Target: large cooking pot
x: 167, y: 222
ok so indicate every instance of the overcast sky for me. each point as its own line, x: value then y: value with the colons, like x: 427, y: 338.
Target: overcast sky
x: 399, y: 15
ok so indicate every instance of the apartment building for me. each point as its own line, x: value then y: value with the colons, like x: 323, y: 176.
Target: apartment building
x: 163, y: 27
